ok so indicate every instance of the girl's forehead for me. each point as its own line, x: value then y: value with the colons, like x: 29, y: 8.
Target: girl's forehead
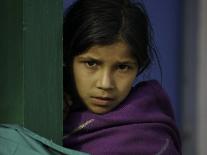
x: 116, y: 49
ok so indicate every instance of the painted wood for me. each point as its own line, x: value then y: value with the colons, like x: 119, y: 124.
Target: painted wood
x: 31, y: 65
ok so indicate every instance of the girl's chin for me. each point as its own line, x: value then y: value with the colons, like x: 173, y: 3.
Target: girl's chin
x: 100, y: 110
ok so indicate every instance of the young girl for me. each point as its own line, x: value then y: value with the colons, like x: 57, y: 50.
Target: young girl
x: 107, y: 44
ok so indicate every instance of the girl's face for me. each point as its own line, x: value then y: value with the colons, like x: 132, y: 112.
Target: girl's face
x: 104, y: 76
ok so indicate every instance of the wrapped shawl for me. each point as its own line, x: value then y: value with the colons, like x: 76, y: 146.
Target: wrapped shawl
x: 142, y: 125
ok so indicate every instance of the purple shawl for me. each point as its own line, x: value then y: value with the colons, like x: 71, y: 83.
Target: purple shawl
x: 142, y: 125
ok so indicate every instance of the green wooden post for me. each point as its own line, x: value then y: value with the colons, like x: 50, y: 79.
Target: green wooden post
x: 31, y: 65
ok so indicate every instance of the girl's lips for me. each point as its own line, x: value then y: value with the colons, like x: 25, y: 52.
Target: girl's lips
x: 102, y: 101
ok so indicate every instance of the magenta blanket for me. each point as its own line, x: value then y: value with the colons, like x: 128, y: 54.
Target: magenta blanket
x: 142, y: 125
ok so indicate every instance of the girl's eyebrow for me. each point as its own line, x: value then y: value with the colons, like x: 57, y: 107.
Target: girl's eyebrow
x: 124, y: 61
x: 87, y: 58
x: 127, y: 62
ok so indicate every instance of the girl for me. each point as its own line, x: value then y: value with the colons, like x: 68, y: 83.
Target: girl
x: 107, y: 44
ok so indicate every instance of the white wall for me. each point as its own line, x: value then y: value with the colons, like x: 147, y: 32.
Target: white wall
x: 201, y: 112
x: 194, y: 111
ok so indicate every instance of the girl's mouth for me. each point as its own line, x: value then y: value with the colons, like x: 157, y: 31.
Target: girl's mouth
x: 102, y: 101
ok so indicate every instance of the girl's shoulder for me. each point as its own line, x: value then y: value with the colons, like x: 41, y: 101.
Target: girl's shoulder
x: 149, y: 87
x: 149, y: 97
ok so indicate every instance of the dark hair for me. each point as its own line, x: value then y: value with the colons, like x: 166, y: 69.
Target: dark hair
x: 104, y: 22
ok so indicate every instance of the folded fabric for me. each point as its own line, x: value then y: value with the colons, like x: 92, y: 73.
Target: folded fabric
x: 17, y: 140
x: 142, y: 125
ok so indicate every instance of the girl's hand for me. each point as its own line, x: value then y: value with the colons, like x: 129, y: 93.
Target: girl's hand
x: 67, y: 103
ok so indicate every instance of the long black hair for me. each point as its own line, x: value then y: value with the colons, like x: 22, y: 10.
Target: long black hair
x: 104, y: 22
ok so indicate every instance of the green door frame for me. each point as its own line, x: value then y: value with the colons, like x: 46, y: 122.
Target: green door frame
x: 31, y: 65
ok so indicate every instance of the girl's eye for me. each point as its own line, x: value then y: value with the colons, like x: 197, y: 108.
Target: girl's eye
x: 91, y: 64
x: 123, y: 67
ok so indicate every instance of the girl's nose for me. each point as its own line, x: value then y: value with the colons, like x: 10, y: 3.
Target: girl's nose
x: 105, y: 81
